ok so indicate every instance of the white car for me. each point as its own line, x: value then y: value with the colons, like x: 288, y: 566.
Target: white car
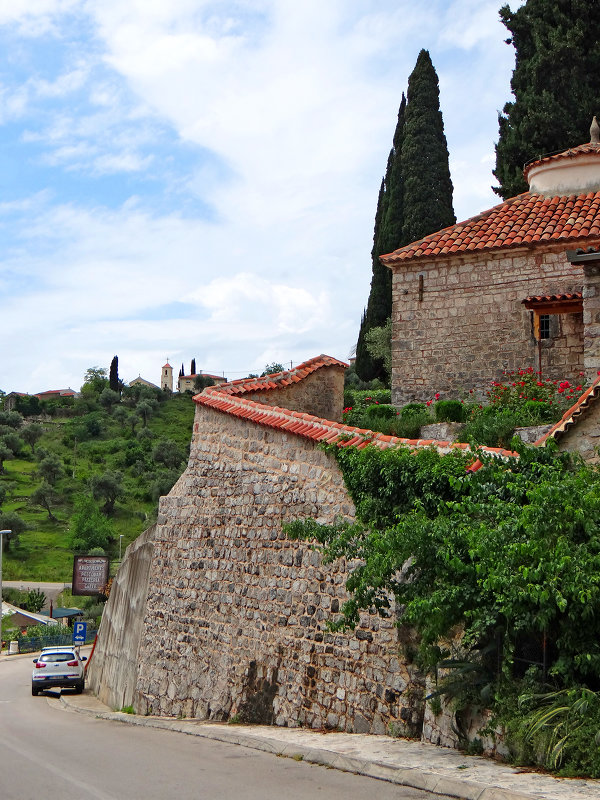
x: 58, y: 666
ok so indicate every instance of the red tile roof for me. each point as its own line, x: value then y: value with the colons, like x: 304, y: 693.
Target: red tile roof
x: 320, y: 430
x: 222, y: 398
x: 202, y: 375
x: 279, y: 380
x: 553, y: 298
x: 61, y: 392
x: 523, y: 221
x: 572, y: 416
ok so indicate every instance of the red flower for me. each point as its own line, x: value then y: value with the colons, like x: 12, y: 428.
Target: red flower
x: 437, y: 396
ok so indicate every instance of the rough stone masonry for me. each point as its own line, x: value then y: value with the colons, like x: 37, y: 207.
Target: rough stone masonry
x: 235, y: 613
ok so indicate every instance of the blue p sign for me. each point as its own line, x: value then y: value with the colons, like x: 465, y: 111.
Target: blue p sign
x: 79, y: 632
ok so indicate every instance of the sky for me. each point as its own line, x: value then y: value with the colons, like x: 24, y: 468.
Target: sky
x: 197, y: 179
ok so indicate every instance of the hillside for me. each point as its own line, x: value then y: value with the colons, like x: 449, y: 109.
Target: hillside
x: 91, y: 476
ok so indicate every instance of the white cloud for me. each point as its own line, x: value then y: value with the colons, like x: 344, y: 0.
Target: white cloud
x: 35, y: 17
x: 287, y: 110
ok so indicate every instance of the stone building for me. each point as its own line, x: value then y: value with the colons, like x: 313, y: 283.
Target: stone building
x: 511, y: 287
x: 166, y: 377
x: 187, y: 383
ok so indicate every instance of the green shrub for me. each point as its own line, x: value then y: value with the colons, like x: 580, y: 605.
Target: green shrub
x: 559, y: 731
x: 536, y: 413
x: 491, y: 426
x: 408, y: 426
x: 449, y: 411
x: 381, y: 411
x: 413, y: 408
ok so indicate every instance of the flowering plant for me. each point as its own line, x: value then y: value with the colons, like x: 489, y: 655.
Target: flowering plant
x: 525, y: 386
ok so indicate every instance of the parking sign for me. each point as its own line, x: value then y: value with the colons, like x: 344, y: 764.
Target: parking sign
x: 79, y: 632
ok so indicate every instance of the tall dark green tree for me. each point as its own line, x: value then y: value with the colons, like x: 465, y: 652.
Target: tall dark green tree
x: 415, y: 198
x: 113, y: 375
x: 386, y: 237
x: 193, y: 367
x: 554, y: 83
x: 427, y: 203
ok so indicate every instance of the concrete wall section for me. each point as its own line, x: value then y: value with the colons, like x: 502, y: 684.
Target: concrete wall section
x: 112, y: 672
x: 469, y: 324
x: 236, y: 614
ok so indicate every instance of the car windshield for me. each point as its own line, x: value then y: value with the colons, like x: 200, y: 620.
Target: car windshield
x: 57, y: 657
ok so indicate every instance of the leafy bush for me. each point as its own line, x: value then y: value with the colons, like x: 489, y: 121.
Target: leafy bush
x: 89, y: 527
x: 413, y: 408
x: 507, y: 553
x: 381, y: 411
x: 490, y: 426
x: 558, y: 730
x: 525, y: 386
x: 449, y: 411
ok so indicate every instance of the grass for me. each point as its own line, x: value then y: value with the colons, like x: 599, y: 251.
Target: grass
x: 43, y: 551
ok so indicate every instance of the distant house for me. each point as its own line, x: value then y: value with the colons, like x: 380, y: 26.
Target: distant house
x: 515, y: 286
x: 64, y: 615
x: 11, y: 401
x: 139, y: 381
x: 19, y: 618
x: 187, y: 382
x: 56, y: 394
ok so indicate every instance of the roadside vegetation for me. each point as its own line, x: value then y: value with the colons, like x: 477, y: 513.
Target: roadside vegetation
x: 86, y: 473
x: 497, y: 575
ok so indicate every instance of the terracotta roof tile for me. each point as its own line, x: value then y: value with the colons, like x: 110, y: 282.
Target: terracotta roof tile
x: 550, y: 298
x: 316, y: 429
x: 280, y: 380
x: 571, y: 417
x: 525, y: 220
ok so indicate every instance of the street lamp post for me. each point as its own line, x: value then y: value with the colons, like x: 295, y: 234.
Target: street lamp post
x: 1, y: 541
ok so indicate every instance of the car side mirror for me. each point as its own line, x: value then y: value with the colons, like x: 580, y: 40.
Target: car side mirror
x: 35, y: 660
x: 84, y: 658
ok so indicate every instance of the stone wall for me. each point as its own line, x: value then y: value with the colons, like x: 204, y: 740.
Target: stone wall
x: 321, y: 394
x: 470, y: 325
x: 584, y: 437
x: 235, y: 617
x: 112, y: 671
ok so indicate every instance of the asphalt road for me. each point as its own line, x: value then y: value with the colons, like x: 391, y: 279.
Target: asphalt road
x: 51, y: 590
x: 46, y: 751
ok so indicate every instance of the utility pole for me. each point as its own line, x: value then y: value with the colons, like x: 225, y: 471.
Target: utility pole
x: 1, y: 541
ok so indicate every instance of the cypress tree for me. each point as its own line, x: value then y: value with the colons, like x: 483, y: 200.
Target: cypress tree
x: 427, y: 185
x: 415, y: 197
x: 113, y: 375
x: 386, y: 237
x: 554, y: 83
x: 193, y: 367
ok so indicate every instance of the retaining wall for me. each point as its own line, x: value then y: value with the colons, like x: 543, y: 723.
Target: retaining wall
x: 235, y: 616
x: 112, y: 672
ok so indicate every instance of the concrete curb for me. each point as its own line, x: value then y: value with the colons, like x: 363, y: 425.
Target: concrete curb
x: 413, y: 777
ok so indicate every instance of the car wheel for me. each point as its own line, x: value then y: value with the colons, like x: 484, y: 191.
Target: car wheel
x: 34, y: 692
x: 79, y: 687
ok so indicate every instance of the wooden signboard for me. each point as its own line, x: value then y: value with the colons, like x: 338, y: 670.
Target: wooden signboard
x: 90, y: 574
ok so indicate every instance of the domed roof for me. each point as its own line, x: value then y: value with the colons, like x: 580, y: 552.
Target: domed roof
x: 574, y: 171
